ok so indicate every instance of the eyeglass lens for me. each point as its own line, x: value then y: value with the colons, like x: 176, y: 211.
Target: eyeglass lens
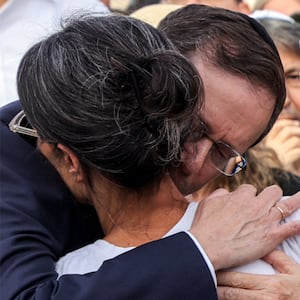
x: 225, y: 159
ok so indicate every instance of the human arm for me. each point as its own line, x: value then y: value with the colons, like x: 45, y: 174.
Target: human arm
x: 283, y: 286
x: 41, y: 222
x: 38, y: 216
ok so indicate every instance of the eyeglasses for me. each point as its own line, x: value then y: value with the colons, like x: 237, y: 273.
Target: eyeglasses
x: 19, y: 124
x: 225, y: 159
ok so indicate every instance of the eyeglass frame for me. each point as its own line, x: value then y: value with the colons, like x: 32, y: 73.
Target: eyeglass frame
x: 239, y: 165
x: 16, y: 127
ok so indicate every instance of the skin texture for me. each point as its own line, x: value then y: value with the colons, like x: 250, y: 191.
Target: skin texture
x: 224, y: 123
x: 291, y: 65
x: 135, y: 221
x: 131, y: 219
x: 284, y: 137
x: 210, y: 241
x: 262, y: 287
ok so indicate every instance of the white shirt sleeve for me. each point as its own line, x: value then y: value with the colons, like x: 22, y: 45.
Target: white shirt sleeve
x: 205, y: 257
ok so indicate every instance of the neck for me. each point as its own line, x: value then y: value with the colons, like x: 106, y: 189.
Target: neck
x: 131, y: 219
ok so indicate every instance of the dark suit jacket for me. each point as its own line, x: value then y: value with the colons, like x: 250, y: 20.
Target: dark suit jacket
x: 41, y: 222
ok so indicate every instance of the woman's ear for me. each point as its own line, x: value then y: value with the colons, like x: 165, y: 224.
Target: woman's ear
x: 194, y: 155
x: 71, y: 162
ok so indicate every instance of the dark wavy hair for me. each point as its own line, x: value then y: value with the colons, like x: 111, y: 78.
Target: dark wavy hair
x: 115, y: 91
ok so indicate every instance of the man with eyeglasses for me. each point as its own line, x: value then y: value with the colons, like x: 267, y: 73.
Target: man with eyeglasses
x: 36, y: 228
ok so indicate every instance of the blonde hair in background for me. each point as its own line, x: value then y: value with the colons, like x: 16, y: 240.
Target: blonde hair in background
x: 263, y: 169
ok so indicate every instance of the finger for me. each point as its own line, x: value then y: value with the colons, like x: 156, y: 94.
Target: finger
x: 280, y: 133
x: 240, y: 280
x: 293, y: 142
x: 289, y: 229
x: 282, y: 263
x: 271, y: 194
x: 229, y: 293
x: 288, y: 206
x: 286, y: 133
x: 286, y: 123
x: 292, y: 156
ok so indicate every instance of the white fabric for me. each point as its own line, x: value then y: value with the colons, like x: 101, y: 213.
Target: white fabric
x: 24, y: 22
x: 205, y: 257
x: 271, y: 14
x: 290, y: 246
x: 91, y: 257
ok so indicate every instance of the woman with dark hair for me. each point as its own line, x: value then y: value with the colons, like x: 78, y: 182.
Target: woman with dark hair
x: 120, y: 115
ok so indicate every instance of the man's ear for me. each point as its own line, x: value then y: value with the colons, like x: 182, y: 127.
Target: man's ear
x: 71, y: 162
x: 193, y: 156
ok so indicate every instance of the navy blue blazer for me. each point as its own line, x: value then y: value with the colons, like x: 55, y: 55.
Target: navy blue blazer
x: 40, y: 221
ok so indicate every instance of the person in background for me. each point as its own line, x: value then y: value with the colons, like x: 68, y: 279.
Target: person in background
x: 22, y: 23
x: 14, y: 170
x: 287, y: 7
x: 284, y: 137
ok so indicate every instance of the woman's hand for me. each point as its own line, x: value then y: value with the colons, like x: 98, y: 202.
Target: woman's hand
x: 282, y: 286
x: 284, y: 138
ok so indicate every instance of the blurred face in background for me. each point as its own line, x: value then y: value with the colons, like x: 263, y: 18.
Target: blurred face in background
x: 2, y: 2
x: 291, y: 65
x: 287, y: 7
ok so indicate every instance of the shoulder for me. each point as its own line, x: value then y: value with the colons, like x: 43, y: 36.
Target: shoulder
x: 8, y: 111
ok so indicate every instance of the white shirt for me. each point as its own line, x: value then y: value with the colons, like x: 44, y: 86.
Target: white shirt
x: 25, y: 22
x: 90, y: 258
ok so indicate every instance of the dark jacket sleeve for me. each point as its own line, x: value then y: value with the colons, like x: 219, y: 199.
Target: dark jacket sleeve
x: 40, y: 222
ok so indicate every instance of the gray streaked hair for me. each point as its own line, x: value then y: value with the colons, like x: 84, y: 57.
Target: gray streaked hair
x: 115, y: 91
x: 285, y: 34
